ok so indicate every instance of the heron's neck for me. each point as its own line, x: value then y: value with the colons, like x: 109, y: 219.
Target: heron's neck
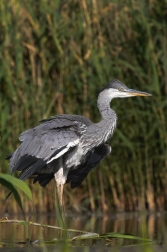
x: 98, y: 133
x: 103, y: 104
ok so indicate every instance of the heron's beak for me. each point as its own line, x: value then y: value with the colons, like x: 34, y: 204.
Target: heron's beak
x: 133, y: 92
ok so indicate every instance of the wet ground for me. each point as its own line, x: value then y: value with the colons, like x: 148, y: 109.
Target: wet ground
x: 20, y: 237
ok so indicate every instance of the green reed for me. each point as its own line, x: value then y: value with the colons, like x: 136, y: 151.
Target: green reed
x: 56, y: 56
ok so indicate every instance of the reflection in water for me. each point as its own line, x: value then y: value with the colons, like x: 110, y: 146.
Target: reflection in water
x: 153, y: 226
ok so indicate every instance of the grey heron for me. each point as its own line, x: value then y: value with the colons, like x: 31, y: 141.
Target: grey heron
x: 68, y: 147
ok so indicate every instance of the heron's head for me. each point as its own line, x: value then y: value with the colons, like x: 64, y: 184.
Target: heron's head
x: 117, y: 89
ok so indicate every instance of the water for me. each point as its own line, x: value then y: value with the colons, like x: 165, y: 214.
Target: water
x: 15, y: 237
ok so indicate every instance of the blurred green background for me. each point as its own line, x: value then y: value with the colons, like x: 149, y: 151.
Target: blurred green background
x: 56, y: 56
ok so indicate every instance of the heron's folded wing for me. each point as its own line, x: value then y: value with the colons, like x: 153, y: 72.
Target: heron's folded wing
x: 43, y: 146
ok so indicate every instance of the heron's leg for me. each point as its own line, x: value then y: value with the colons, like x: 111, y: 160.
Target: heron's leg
x: 60, y: 178
x: 60, y: 181
x: 60, y: 194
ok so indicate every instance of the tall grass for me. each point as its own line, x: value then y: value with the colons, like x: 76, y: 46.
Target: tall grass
x: 56, y: 56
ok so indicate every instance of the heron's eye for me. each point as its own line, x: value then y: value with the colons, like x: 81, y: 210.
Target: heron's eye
x: 120, y: 89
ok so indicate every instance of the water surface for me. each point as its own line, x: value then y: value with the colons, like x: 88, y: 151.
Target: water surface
x: 16, y: 237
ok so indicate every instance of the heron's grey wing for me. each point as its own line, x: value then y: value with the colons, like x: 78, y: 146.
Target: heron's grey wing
x: 40, y: 148
x: 46, y: 142
x: 76, y: 176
